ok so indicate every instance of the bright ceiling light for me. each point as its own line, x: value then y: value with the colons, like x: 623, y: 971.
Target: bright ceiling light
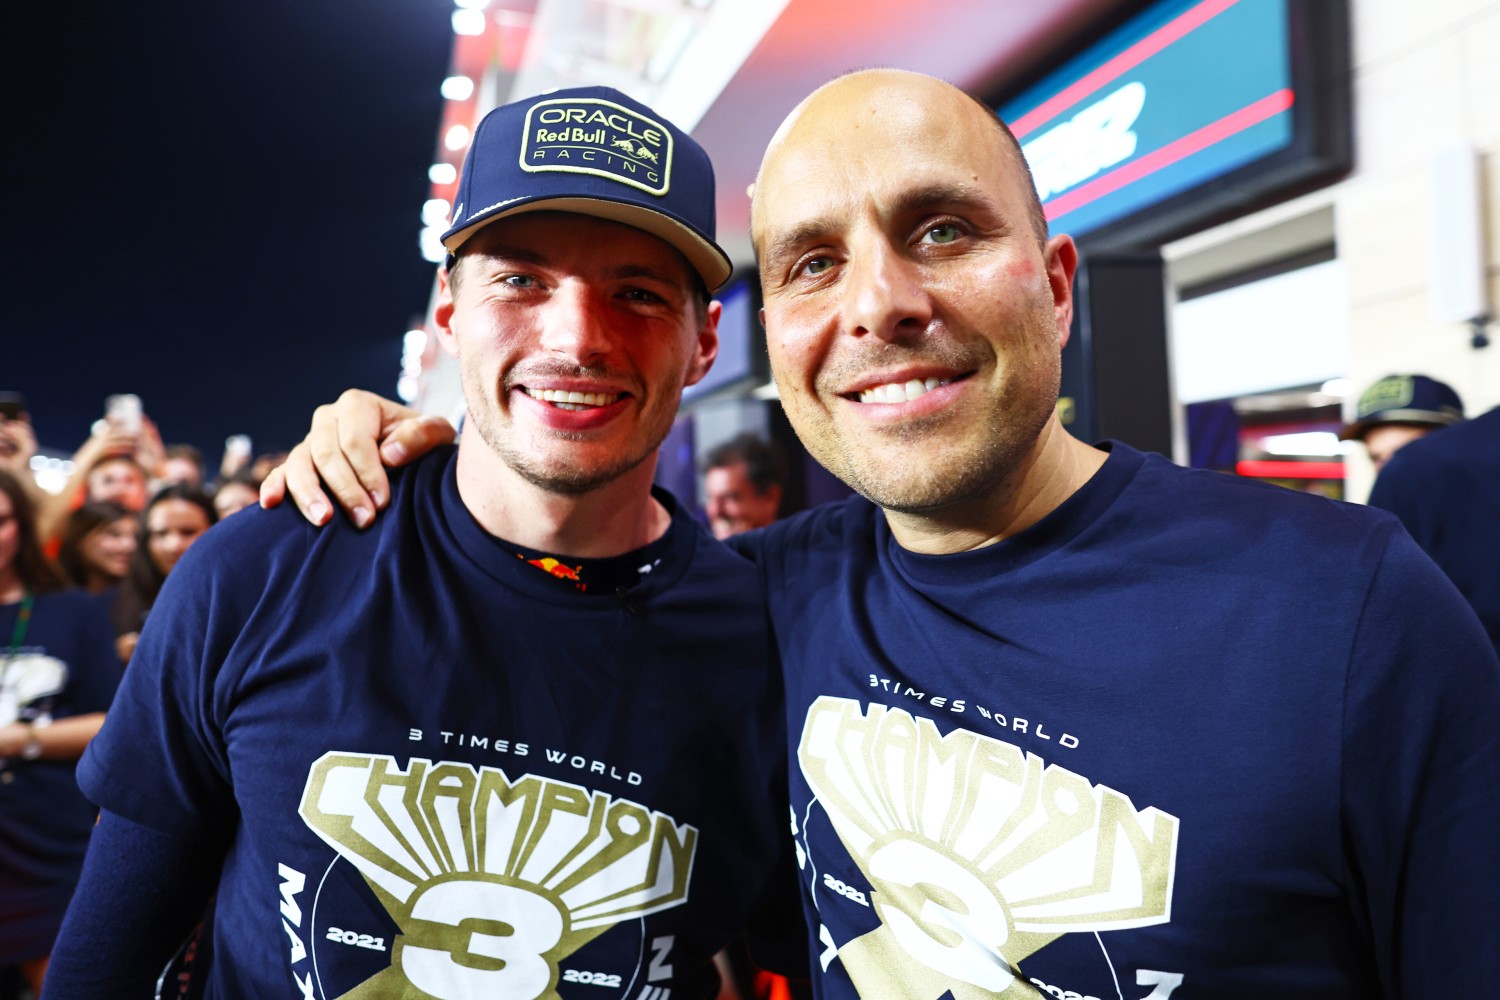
x: 468, y: 22
x: 456, y: 138
x: 471, y: 4
x: 442, y: 173
x: 1304, y: 443
x: 435, y: 212
x: 433, y: 250
x: 458, y: 88
x: 407, y: 388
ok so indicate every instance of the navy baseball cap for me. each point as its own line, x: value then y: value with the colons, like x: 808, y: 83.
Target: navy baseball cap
x: 1404, y: 399
x: 593, y: 151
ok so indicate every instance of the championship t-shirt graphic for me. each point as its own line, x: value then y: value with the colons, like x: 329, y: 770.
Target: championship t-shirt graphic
x: 965, y: 854
x: 479, y: 883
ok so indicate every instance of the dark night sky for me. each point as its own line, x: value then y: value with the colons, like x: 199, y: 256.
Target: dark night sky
x: 214, y: 205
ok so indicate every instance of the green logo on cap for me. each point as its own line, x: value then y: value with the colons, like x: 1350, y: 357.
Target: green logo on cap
x: 591, y: 136
x: 1391, y: 393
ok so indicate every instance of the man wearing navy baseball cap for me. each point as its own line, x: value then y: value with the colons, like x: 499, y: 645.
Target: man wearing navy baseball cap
x: 501, y: 743
x: 1397, y: 410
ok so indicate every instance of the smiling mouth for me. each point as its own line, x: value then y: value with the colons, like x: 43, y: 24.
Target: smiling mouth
x: 901, y: 392
x: 565, y: 400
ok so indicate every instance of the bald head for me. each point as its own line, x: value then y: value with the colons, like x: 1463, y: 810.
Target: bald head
x: 884, y: 102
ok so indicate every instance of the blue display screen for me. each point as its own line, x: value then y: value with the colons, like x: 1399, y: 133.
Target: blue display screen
x: 1183, y: 93
x: 738, y: 343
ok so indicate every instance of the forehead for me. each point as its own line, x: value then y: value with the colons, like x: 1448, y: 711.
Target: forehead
x: 108, y: 470
x: 874, y: 139
x: 577, y: 242
x: 727, y: 475
x: 176, y: 510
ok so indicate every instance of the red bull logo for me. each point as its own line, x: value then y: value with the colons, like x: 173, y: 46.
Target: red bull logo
x: 561, y: 571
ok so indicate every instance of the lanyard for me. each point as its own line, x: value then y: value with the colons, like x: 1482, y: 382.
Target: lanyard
x: 23, y: 619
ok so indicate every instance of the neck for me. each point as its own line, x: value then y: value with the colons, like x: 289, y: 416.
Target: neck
x: 614, y: 519
x: 11, y: 587
x: 1055, y: 468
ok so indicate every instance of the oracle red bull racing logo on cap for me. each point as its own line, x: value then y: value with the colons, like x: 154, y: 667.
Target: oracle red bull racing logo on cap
x: 598, y: 137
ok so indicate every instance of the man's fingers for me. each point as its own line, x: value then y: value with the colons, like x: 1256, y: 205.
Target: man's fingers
x: 298, y: 477
x: 415, y: 437
x: 359, y: 419
x: 325, y: 445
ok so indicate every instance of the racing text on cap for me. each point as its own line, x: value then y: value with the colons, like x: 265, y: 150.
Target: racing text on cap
x: 591, y: 136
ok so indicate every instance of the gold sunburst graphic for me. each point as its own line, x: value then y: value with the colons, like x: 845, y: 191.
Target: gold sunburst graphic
x: 978, y: 853
x: 491, y: 881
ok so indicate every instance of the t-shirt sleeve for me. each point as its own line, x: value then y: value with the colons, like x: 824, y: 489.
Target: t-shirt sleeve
x: 140, y: 893
x: 1421, y: 781
x: 160, y: 759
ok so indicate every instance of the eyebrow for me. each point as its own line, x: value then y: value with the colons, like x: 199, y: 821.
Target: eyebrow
x: 646, y: 271
x: 926, y: 198
x: 625, y: 271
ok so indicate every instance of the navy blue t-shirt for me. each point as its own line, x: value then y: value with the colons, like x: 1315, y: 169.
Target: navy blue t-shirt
x: 436, y: 768
x: 1186, y: 737
x: 65, y: 666
x: 1445, y: 488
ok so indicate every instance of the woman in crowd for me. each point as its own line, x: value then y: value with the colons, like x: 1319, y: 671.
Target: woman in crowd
x: 57, y: 676
x: 171, y: 522
x: 239, y: 491
x: 97, y: 543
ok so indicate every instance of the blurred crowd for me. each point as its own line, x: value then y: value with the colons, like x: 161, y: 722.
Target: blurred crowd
x: 131, y: 507
x: 80, y: 569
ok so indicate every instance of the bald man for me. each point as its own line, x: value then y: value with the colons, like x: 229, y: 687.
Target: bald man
x: 1069, y: 720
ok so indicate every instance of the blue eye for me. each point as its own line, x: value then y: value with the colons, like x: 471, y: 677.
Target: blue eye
x: 520, y: 281
x: 817, y: 266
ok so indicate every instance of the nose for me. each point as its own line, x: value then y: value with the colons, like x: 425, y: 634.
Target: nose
x: 885, y: 293
x: 574, y: 325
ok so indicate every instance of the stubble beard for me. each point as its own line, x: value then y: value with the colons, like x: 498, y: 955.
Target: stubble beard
x: 558, y: 477
x: 914, y: 471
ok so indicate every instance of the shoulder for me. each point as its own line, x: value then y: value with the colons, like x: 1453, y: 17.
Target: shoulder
x: 254, y: 549
x: 1247, y: 505
x: 828, y: 526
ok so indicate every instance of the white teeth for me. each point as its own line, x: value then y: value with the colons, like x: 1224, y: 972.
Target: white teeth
x: 900, y: 392
x: 566, y: 400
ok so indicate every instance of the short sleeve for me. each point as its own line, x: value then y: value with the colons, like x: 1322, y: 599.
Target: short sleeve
x: 159, y: 760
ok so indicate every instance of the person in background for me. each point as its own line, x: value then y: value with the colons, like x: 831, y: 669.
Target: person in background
x: 183, y: 464
x: 120, y: 479
x: 1397, y: 410
x: 743, y: 481
x: 172, y: 522
x: 97, y: 545
x: 116, y: 463
x: 17, y: 443
x: 263, y: 464
x: 57, y: 675
x: 236, y: 493
x: 1445, y: 489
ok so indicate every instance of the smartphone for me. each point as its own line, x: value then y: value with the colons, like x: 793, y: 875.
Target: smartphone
x: 123, y: 411
x: 238, y: 445
x: 12, y: 405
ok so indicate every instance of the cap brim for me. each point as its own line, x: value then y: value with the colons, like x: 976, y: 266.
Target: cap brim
x: 711, y: 263
x: 1426, y: 418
